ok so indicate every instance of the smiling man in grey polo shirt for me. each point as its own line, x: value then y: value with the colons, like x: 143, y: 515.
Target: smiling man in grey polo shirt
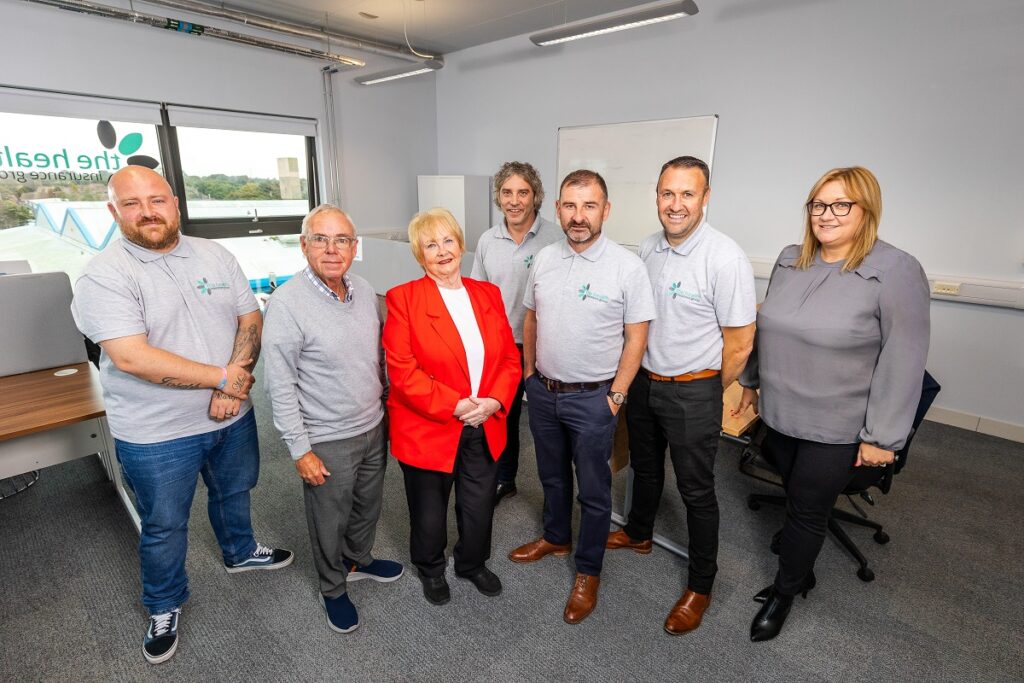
x: 179, y: 327
x: 503, y: 256
x: 704, y: 290
x: 588, y: 306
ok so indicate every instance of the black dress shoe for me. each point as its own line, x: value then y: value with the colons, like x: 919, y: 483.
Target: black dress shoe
x: 809, y: 583
x: 485, y: 581
x: 505, y: 490
x: 435, y: 589
x: 769, y: 619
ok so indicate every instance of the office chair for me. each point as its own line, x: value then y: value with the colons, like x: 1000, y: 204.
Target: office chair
x: 751, y: 461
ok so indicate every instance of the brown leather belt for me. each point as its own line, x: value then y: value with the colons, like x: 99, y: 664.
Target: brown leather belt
x: 556, y: 387
x: 685, y: 377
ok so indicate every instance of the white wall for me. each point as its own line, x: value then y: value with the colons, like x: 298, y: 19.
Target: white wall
x: 927, y: 95
x: 388, y: 134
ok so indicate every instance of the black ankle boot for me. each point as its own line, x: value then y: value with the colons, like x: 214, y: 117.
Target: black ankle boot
x: 769, y: 619
x: 809, y: 583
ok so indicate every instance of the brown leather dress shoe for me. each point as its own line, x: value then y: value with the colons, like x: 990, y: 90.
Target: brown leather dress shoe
x: 620, y: 539
x: 535, y: 550
x: 582, y: 599
x: 687, y: 613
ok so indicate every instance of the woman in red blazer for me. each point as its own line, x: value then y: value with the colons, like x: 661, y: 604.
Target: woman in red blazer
x: 453, y: 368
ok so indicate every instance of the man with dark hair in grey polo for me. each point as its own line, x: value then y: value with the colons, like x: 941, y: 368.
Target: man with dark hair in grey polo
x: 588, y: 306
x: 503, y: 256
x: 325, y: 378
x: 704, y: 293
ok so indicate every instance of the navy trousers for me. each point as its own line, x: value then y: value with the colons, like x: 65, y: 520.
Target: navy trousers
x: 574, y: 429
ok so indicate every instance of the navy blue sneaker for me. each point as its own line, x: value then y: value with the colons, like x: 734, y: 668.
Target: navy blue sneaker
x: 341, y: 613
x: 381, y: 571
x: 262, y: 558
x: 161, y: 637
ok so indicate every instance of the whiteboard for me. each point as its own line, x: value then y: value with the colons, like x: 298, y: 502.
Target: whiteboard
x: 629, y: 157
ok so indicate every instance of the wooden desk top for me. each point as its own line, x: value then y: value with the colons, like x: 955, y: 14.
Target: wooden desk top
x: 37, y: 401
x: 735, y: 426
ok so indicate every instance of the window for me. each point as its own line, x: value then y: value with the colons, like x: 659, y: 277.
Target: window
x: 53, y: 174
x: 244, y: 179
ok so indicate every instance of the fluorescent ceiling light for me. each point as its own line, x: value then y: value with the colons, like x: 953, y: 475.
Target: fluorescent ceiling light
x: 618, y: 22
x: 401, y: 72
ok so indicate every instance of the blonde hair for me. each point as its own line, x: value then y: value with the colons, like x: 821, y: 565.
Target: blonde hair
x: 431, y: 223
x: 862, y: 187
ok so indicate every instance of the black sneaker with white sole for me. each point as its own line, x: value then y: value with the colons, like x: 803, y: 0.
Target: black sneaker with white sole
x: 262, y: 558
x: 161, y: 637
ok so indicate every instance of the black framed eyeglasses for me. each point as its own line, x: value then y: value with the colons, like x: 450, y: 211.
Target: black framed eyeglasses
x: 321, y: 241
x: 838, y: 209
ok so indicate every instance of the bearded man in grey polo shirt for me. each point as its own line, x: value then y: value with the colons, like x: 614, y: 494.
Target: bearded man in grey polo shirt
x: 178, y: 327
x: 588, y: 306
x: 699, y: 343
x: 503, y: 256
x: 325, y: 377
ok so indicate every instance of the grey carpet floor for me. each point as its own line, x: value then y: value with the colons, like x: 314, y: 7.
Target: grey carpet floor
x: 946, y: 604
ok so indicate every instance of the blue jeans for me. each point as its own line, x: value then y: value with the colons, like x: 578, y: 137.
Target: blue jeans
x: 574, y: 429
x: 163, y: 478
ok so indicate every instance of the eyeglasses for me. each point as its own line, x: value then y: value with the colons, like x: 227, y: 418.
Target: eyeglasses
x: 838, y: 209
x: 321, y: 241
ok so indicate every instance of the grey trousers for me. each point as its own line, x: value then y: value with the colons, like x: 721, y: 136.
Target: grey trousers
x: 342, y: 513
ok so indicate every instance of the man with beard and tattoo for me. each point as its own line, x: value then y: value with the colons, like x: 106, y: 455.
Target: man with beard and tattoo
x: 589, y: 303
x: 179, y: 329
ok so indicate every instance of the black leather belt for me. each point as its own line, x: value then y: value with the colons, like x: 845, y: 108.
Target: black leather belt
x: 556, y: 387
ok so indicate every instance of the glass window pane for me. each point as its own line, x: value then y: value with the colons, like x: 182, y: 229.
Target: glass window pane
x: 53, y: 195
x: 240, y: 174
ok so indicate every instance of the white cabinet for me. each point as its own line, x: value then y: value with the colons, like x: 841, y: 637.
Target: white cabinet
x: 468, y: 197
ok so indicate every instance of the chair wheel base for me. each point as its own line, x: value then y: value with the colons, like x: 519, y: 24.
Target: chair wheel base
x: 865, y: 575
x: 753, y: 505
x: 881, y: 538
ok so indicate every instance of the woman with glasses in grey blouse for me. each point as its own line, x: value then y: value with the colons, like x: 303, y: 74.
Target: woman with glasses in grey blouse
x: 842, y: 338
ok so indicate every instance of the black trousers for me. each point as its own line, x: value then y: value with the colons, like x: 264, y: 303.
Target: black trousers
x: 508, y: 463
x: 814, y: 475
x: 685, y: 417
x: 427, y: 491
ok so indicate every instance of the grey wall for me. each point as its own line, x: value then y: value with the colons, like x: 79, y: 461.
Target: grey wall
x: 926, y: 94
x: 388, y: 135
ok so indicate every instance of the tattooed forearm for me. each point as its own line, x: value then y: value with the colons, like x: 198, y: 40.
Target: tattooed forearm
x: 247, y: 344
x: 175, y: 384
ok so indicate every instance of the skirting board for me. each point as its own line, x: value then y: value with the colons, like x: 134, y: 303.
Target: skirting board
x: 974, y: 423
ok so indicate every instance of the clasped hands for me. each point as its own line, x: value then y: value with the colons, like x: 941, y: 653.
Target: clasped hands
x: 474, y: 411
x: 226, y: 402
x: 867, y: 454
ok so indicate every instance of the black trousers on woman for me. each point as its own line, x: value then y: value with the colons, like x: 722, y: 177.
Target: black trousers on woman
x: 814, y: 475
x: 475, y: 476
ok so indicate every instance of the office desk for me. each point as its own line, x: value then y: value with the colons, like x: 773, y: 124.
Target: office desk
x: 734, y: 429
x: 47, y: 419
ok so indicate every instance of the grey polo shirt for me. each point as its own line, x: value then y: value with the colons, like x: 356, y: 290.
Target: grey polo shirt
x: 500, y: 260
x: 322, y: 361
x: 187, y: 302
x: 840, y: 356
x: 582, y: 302
x: 700, y: 286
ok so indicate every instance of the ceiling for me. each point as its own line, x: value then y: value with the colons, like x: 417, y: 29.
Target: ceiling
x: 435, y: 26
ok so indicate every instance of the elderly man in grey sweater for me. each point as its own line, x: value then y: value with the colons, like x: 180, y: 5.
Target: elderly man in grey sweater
x: 324, y: 372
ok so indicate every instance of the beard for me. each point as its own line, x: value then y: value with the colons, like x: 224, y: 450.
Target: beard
x: 139, y: 235
x: 581, y: 239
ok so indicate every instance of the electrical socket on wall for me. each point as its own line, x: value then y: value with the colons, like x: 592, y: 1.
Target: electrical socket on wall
x: 946, y: 288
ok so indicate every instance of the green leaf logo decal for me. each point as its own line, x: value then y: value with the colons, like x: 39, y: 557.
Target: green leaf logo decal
x: 130, y: 143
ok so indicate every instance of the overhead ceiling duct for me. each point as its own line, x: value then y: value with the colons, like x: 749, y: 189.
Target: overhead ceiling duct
x: 96, y: 9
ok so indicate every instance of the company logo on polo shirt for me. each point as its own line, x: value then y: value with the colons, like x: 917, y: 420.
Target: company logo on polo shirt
x: 528, y: 261
x: 206, y: 287
x: 676, y: 290
x: 584, y: 293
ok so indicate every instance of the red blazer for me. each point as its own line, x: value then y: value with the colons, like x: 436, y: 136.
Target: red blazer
x: 428, y: 372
